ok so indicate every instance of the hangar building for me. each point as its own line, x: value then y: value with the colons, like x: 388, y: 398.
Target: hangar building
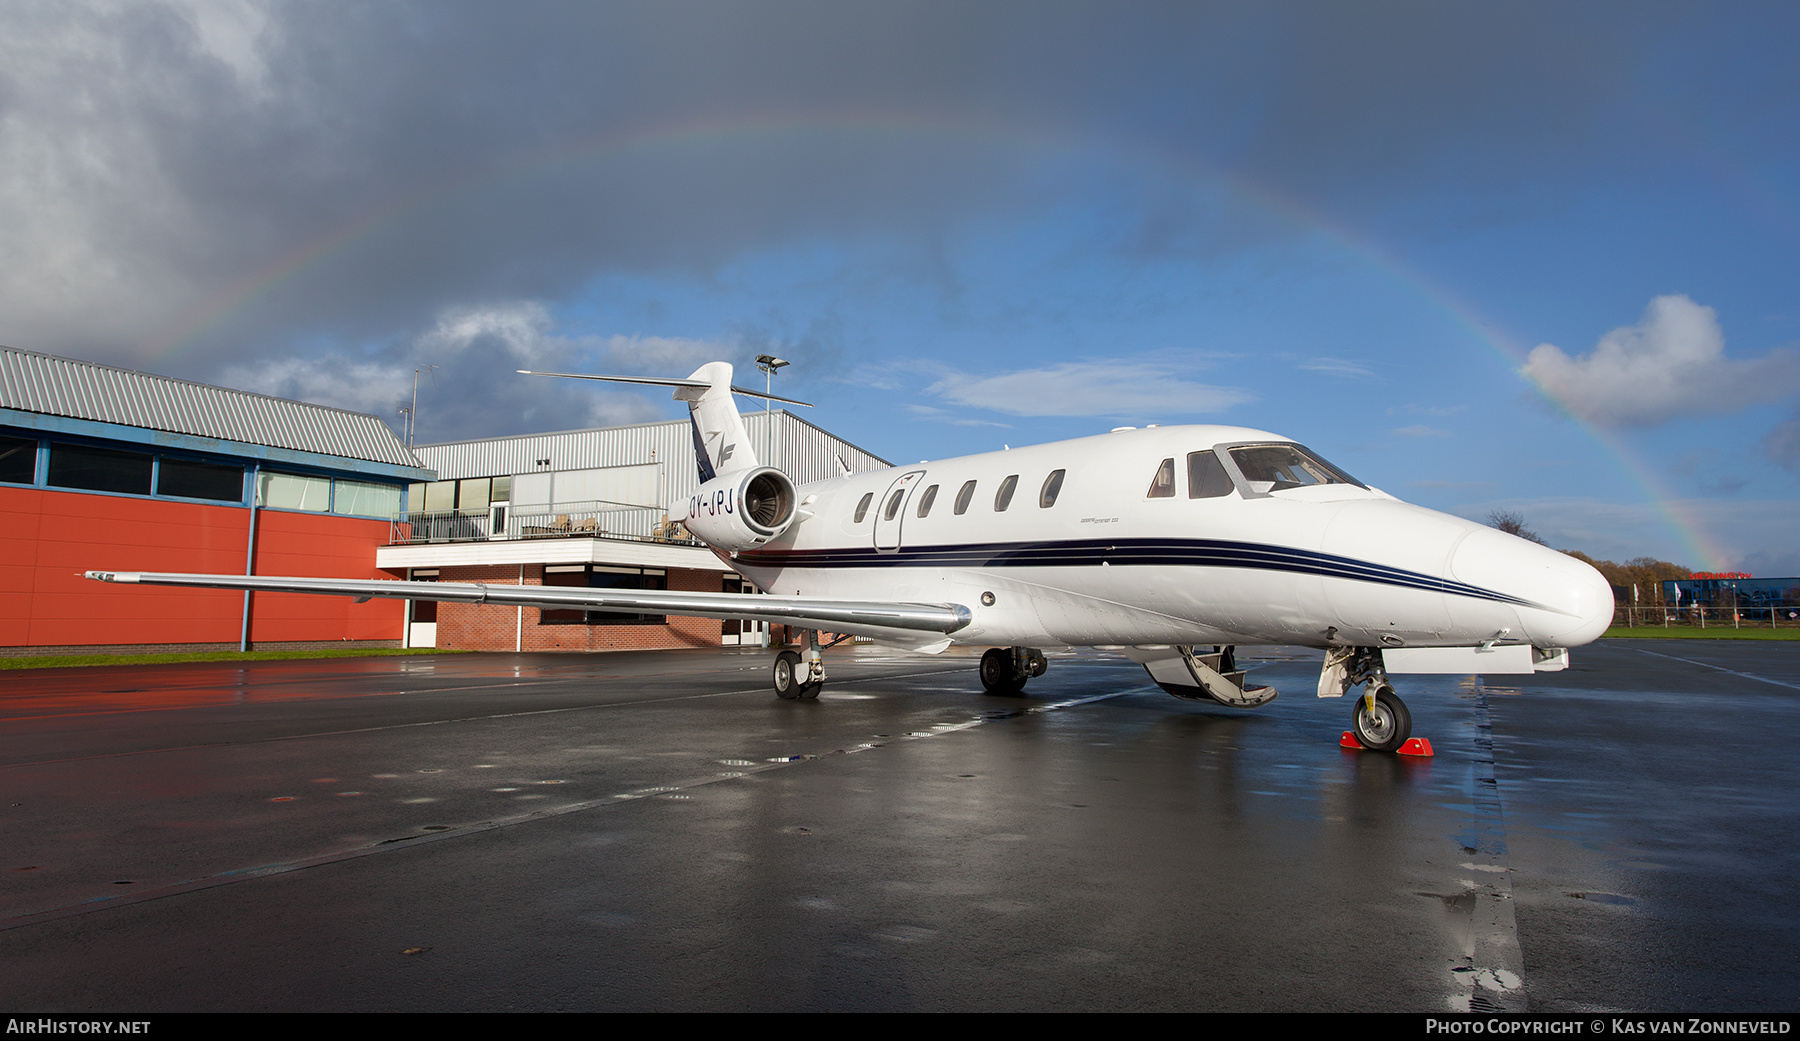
x: 109, y: 469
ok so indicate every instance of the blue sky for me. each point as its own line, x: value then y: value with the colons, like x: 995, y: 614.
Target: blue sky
x: 1539, y: 258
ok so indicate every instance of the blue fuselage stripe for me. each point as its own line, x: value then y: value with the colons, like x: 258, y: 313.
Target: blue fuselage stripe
x: 1217, y: 553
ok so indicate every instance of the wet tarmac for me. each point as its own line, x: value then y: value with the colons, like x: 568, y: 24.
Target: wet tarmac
x: 656, y: 831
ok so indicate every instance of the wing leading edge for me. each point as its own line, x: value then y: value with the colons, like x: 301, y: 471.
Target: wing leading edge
x: 860, y: 617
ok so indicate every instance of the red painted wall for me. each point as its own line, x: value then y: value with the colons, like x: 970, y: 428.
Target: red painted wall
x: 47, y: 538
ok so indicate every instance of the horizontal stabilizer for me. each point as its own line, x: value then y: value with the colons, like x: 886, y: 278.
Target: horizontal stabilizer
x: 656, y: 382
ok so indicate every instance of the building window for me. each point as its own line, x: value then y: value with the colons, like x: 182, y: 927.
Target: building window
x: 100, y: 469
x: 602, y: 576
x: 424, y: 610
x: 366, y: 499
x: 437, y: 497
x: 190, y: 479
x: 295, y: 492
x: 18, y: 460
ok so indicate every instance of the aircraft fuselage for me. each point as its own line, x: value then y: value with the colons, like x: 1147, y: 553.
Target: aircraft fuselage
x: 1138, y: 542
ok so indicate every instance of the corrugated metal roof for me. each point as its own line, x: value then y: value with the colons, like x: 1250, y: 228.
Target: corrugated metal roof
x: 55, y: 386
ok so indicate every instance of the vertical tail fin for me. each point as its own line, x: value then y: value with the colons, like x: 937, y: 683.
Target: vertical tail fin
x: 721, y: 444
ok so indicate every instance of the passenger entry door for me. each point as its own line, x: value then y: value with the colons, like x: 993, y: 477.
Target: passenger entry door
x: 890, y: 511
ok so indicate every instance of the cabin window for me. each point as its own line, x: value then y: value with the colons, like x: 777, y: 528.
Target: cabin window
x: 963, y: 497
x: 18, y: 460
x: 1206, y: 476
x: 1052, y: 485
x: 893, y: 506
x: 1162, y: 486
x: 1003, y: 497
x: 925, y: 501
x: 862, y: 507
x: 1275, y: 468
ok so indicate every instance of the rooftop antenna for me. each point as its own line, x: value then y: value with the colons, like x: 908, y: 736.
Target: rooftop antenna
x: 768, y: 363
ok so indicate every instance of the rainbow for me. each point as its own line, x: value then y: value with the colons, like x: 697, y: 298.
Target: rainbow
x: 188, y: 328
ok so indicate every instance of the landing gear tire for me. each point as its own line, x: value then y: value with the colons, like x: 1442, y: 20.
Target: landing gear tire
x: 787, y: 676
x: 997, y: 673
x: 1386, y: 728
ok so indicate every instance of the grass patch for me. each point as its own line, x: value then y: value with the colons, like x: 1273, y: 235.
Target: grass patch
x: 1690, y: 632
x: 64, y: 661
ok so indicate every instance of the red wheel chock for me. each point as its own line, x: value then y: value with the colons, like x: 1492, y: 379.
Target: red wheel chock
x: 1416, y: 746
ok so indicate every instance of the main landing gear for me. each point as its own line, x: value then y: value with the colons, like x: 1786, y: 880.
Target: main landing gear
x: 801, y: 674
x: 793, y: 677
x: 1004, y: 670
x: 1379, y: 721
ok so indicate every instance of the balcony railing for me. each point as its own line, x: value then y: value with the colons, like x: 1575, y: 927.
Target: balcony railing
x: 555, y: 521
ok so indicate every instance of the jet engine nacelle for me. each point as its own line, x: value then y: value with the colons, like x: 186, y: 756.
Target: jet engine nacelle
x: 741, y: 510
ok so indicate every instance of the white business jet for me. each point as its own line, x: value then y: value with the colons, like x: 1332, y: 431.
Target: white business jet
x: 1172, y: 545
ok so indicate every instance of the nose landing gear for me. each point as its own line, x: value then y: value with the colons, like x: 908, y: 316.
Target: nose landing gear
x: 1380, y: 721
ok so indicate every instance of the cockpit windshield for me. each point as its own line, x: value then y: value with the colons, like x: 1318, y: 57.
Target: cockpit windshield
x: 1278, y: 467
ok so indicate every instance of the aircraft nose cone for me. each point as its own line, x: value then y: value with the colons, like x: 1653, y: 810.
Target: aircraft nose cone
x: 1567, y: 602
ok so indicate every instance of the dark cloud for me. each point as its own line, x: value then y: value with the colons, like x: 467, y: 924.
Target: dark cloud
x: 226, y: 180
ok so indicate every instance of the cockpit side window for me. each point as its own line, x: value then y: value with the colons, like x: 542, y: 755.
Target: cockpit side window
x: 963, y: 497
x: 925, y: 501
x: 862, y: 507
x: 1052, y: 487
x: 1278, y: 467
x: 1162, y: 486
x: 1003, y: 497
x: 1207, y: 478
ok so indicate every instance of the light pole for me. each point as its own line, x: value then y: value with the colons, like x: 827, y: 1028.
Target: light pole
x: 768, y: 363
x: 413, y: 412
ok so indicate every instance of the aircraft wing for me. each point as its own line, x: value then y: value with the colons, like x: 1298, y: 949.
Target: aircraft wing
x: 861, y: 617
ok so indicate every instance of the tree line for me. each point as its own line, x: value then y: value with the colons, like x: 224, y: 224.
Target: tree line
x: 1647, y: 573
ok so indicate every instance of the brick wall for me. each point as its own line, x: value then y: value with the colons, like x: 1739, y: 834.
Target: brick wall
x: 479, y: 627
